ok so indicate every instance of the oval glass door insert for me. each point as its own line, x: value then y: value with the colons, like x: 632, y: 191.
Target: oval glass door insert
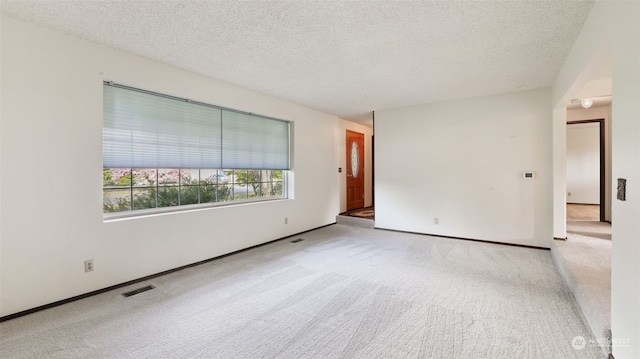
x: 355, y: 159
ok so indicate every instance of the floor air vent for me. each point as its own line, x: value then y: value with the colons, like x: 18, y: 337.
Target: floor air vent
x: 297, y: 240
x: 137, y: 291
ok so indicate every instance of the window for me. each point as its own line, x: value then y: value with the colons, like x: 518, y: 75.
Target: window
x: 128, y: 189
x: 161, y: 151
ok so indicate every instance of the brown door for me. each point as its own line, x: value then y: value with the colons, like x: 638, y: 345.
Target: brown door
x: 355, y: 170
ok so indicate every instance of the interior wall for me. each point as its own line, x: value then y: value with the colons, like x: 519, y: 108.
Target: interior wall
x: 52, y: 162
x: 596, y: 113
x: 462, y: 162
x: 559, y: 127
x: 583, y: 163
x: 342, y: 161
x: 595, y: 88
x: 612, y: 30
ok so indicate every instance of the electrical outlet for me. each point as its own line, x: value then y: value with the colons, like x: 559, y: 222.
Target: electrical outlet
x: 436, y: 220
x: 286, y: 220
x: 88, y: 265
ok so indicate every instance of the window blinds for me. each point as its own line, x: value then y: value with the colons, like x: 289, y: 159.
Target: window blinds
x: 253, y: 142
x: 142, y: 129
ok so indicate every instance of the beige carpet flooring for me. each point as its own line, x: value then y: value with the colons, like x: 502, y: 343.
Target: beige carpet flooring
x: 342, y: 292
x: 584, y: 259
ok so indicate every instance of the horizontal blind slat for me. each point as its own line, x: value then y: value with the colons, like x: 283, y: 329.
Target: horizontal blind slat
x: 254, y: 142
x: 143, y: 130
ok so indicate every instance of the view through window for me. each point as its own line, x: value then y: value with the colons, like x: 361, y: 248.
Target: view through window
x: 128, y: 189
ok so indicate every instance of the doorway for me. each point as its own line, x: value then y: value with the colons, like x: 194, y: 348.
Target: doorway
x: 584, y: 257
x: 586, y: 167
x: 355, y: 170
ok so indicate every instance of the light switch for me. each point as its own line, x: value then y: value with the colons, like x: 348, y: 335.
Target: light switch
x: 622, y: 189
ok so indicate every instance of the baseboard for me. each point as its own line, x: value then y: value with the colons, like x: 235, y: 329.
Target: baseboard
x: 560, y: 239
x: 464, y: 239
x: 142, y: 279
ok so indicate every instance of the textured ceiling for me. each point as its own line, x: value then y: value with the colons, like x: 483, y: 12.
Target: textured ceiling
x: 346, y: 58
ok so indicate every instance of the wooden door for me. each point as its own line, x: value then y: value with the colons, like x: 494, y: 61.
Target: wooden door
x: 355, y: 170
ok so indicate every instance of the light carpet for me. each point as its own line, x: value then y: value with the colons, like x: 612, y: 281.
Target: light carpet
x: 343, y: 292
x: 584, y: 260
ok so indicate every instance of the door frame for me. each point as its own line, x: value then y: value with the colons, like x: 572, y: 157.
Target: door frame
x: 601, y: 129
x: 362, y: 168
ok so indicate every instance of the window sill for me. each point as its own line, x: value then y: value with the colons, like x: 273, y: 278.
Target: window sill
x: 155, y: 212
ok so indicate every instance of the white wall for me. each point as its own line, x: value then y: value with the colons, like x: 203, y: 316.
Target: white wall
x: 462, y: 162
x: 559, y: 128
x: 595, y: 88
x: 583, y: 163
x: 341, y: 134
x: 611, y: 30
x: 52, y: 161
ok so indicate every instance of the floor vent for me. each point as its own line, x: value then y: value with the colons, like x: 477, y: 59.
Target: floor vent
x: 137, y: 291
x: 297, y: 240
